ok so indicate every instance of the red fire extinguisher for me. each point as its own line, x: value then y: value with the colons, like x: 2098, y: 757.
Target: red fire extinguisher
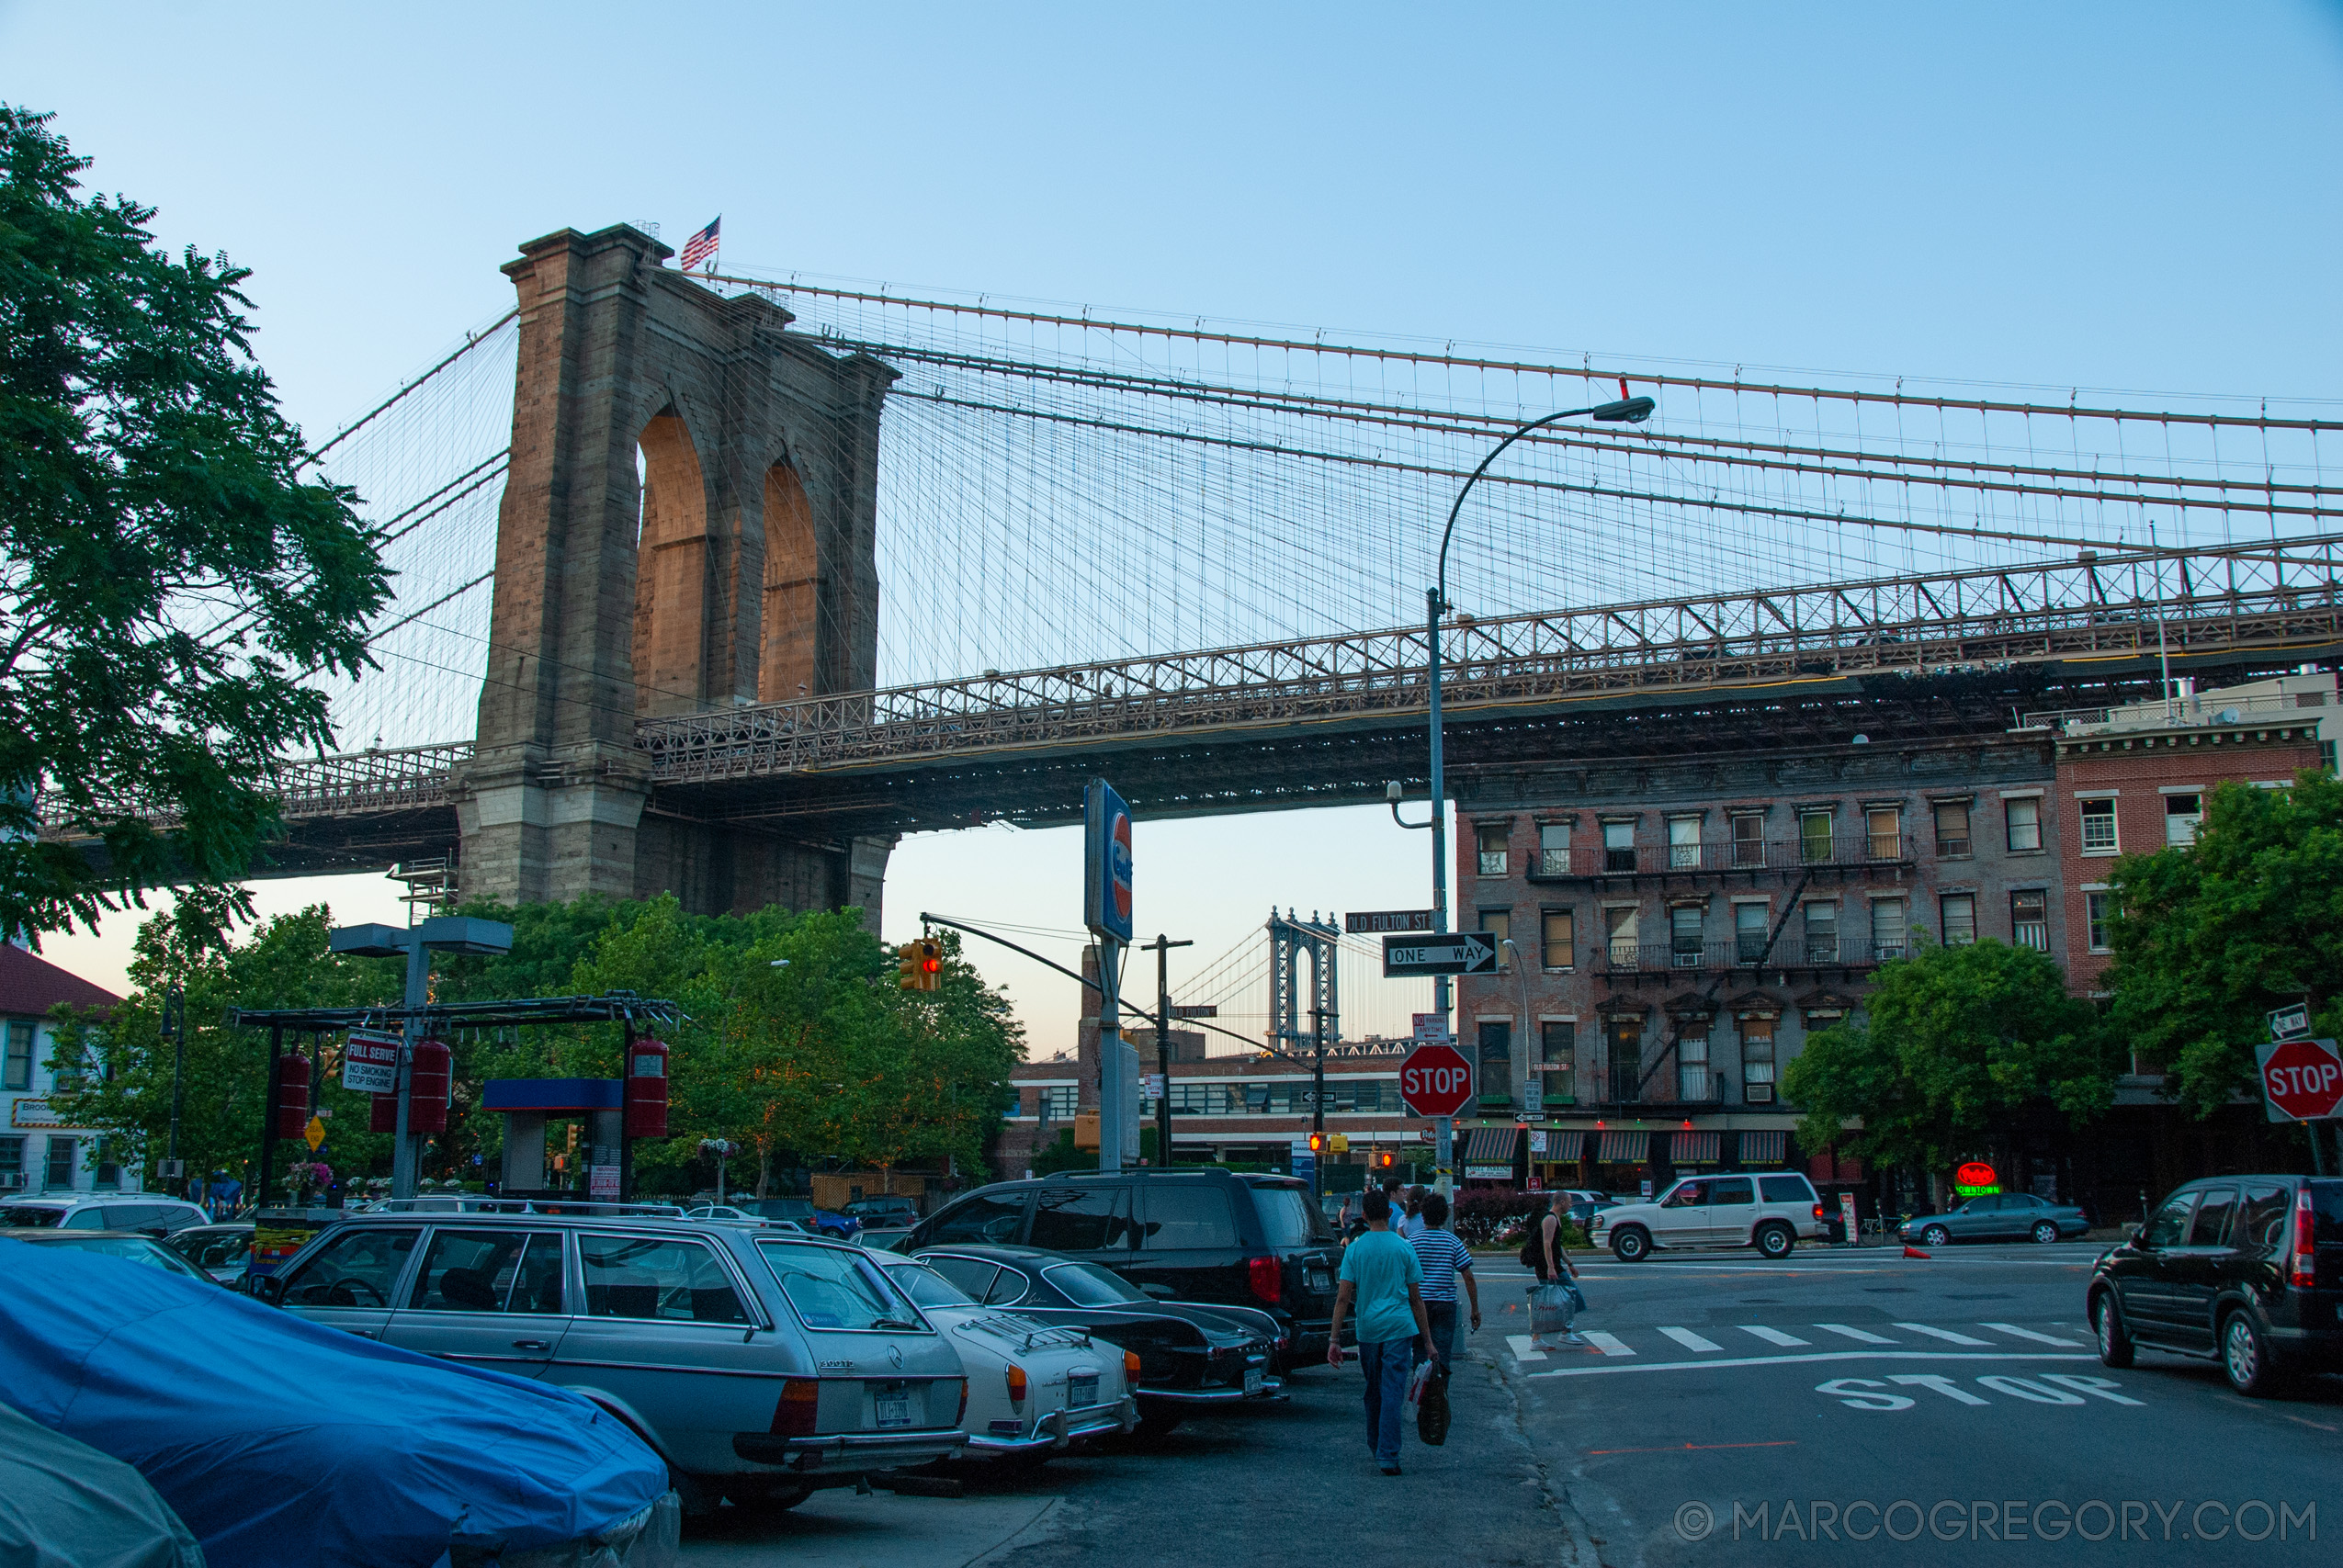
x: 292, y: 1095
x: 428, y: 1083
x: 647, y: 1089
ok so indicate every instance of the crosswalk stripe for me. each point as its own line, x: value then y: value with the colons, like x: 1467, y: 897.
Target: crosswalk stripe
x: 1524, y: 1347
x: 1607, y: 1344
x: 1690, y: 1340
x: 2030, y: 1333
x: 1856, y: 1334
x: 1772, y: 1335
x: 1944, y: 1334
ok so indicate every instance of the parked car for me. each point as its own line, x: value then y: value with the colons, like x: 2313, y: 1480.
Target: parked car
x: 732, y: 1216
x: 839, y: 1227
x: 760, y: 1366
x: 153, y: 1215
x: 1206, y: 1237
x: 71, y: 1507
x: 211, y: 1395
x: 1191, y: 1353
x: 1997, y: 1216
x: 1767, y: 1210
x: 2248, y: 1269
x: 222, y: 1251
x: 882, y: 1238
x: 885, y: 1209
x: 1033, y: 1389
x: 135, y: 1247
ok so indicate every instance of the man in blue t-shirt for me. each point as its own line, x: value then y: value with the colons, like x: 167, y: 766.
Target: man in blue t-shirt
x: 1382, y: 1279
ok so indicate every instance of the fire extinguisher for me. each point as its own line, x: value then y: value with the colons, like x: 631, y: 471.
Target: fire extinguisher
x: 647, y: 1089
x: 427, y: 1082
x: 292, y: 1095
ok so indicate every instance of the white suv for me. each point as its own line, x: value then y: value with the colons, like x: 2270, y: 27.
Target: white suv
x: 1767, y: 1210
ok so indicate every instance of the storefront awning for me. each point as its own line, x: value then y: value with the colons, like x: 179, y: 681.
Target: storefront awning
x: 1492, y: 1146
x: 1560, y: 1146
x: 1624, y: 1148
x: 1694, y: 1148
x: 1764, y: 1149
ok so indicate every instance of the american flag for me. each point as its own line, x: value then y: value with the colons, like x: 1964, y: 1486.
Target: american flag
x: 701, y: 246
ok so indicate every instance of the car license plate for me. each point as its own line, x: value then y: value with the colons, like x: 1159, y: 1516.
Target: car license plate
x: 1252, y: 1380
x: 895, y: 1409
x: 1082, y: 1391
x: 1318, y: 1279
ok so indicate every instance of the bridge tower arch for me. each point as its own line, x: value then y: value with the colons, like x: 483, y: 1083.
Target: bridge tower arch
x: 688, y: 525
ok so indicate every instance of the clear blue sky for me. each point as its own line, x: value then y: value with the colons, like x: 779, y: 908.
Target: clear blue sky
x: 2117, y: 196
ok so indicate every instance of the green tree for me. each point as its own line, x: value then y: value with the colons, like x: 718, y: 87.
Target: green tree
x: 1956, y: 1040
x: 166, y: 579
x: 2211, y: 936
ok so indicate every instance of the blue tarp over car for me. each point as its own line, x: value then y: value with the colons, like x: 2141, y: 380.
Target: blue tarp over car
x: 279, y: 1441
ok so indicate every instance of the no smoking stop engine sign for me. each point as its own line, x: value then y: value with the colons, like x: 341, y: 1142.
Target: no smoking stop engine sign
x: 2302, y: 1080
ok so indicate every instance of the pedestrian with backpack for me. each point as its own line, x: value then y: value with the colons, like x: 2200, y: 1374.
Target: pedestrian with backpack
x: 1556, y: 1297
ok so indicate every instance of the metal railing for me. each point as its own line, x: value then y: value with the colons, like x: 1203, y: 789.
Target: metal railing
x: 1793, y: 950
x: 349, y: 784
x: 1712, y: 856
x: 1663, y: 1082
x: 2203, y: 709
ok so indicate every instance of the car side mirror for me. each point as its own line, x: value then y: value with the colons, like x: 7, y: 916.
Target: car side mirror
x: 1160, y: 1293
x: 2139, y: 1237
x: 268, y: 1288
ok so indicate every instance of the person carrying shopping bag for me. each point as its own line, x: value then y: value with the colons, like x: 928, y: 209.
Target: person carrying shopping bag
x: 1382, y: 1279
x: 1556, y: 1297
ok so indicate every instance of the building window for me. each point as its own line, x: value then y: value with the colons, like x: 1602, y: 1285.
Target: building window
x: 1757, y: 1060
x: 1749, y: 932
x: 1749, y: 841
x: 1887, y: 929
x: 1058, y: 1102
x: 16, y: 1072
x: 1620, y: 928
x: 1959, y: 913
x: 1814, y: 837
x: 1683, y: 844
x: 12, y: 1163
x: 1822, y: 933
x: 1491, y: 840
x: 1559, y: 937
x: 1953, y: 829
x: 1886, y: 831
x: 61, y: 1163
x: 1559, y: 1043
x: 2099, y: 827
x: 1554, y: 849
x: 1692, y: 1061
x: 1618, y: 846
x: 2029, y: 919
x: 1498, y: 923
x: 2101, y: 908
x: 2326, y: 755
x: 2024, y: 817
x: 2182, y: 815
x: 1496, y: 1066
x: 1684, y: 936
x: 109, y: 1175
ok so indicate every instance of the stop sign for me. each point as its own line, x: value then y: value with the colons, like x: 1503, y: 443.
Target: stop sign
x: 2302, y: 1080
x: 1436, y: 1080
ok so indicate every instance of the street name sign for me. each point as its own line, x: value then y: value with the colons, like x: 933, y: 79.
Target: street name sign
x: 1451, y: 953
x: 2290, y: 1021
x: 1198, y: 1009
x: 1375, y: 921
x: 370, y: 1063
x: 2302, y: 1080
x: 1436, y: 1080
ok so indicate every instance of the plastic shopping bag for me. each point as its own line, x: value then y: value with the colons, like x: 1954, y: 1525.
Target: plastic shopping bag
x: 1431, y: 1410
x: 1415, y: 1384
x: 1550, y: 1309
x: 1578, y: 1297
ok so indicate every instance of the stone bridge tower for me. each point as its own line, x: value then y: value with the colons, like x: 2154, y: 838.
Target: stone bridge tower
x: 688, y: 524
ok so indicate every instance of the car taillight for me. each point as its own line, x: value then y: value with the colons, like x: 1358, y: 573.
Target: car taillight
x: 793, y: 1414
x: 1130, y: 1363
x: 2302, y: 1269
x: 1267, y: 1277
x: 1016, y: 1385
x: 1818, y: 1211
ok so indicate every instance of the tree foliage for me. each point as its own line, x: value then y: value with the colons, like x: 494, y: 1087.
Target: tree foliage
x: 1957, y: 1042
x: 166, y: 579
x: 2210, y: 937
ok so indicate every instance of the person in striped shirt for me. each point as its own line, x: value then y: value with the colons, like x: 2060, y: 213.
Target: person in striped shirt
x: 1446, y: 1262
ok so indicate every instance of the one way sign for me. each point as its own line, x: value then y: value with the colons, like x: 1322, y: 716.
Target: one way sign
x: 1459, y: 952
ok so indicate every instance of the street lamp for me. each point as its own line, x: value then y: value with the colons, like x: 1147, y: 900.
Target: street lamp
x: 1626, y: 410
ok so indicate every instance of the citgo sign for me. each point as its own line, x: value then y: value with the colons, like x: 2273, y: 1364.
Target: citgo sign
x: 1975, y: 1177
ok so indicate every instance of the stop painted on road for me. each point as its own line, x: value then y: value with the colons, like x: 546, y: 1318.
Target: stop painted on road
x: 2051, y: 1388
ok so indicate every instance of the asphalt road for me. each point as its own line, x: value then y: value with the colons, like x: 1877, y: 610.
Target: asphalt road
x: 1842, y: 1405
x: 1734, y: 1411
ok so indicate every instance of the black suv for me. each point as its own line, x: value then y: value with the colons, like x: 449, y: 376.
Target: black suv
x: 1189, y: 1235
x: 2247, y: 1268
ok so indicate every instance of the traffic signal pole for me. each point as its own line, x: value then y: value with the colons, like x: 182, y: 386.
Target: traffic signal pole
x: 1161, y: 947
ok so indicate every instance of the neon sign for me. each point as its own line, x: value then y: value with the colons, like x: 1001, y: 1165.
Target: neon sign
x: 1975, y: 1177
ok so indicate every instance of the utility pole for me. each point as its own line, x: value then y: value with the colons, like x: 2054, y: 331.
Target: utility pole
x: 174, y: 1028
x: 1161, y: 947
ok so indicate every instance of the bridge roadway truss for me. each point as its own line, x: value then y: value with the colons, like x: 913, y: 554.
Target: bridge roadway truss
x: 1327, y: 720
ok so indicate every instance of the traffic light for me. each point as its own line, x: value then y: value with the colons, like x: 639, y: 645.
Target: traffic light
x: 931, y: 963
x: 1318, y: 1142
x: 907, y: 966
x: 1384, y: 1159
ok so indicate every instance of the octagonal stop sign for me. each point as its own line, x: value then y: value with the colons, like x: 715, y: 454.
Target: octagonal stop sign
x: 1436, y: 1080
x: 2302, y: 1080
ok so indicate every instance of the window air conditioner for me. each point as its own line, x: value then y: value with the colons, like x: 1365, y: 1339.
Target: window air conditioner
x: 1757, y: 1093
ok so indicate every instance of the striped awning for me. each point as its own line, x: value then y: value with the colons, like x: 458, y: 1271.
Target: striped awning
x: 1491, y: 1146
x: 1764, y: 1149
x: 1561, y: 1146
x: 1694, y: 1148
x: 1624, y: 1148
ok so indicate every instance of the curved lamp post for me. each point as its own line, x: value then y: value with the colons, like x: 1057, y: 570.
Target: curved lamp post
x: 1626, y: 410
